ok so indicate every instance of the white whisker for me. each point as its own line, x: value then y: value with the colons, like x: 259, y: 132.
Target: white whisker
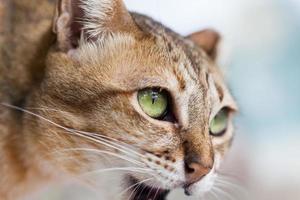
x: 141, y: 192
x: 151, y: 188
x: 72, y: 131
x: 239, y: 188
x: 157, y: 189
x: 130, y: 169
x: 113, y: 143
x: 214, y: 195
x: 100, y: 152
x: 134, y: 190
x: 228, y: 196
x: 228, y: 183
x: 138, y: 183
x: 96, y: 134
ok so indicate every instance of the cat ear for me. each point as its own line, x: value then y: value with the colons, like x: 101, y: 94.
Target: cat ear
x: 207, y: 39
x: 89, y: 19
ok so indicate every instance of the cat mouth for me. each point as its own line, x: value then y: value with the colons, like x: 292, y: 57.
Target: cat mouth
x: 145, y: 192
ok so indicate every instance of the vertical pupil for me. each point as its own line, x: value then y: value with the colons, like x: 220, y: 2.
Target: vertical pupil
x: 154, y: 96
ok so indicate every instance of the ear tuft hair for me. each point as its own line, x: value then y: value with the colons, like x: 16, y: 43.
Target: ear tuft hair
x: 96, y: 15
x: 90, y: 20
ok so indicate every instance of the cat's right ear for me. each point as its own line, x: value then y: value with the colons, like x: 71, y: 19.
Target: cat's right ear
x: 208, y: 40
x: 89, y: 20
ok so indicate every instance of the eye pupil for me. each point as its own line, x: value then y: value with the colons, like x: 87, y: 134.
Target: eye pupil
x: 154, y: 97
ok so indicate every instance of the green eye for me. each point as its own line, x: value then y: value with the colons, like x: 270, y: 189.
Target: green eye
x: 154, y: 102
x: 219, y: 123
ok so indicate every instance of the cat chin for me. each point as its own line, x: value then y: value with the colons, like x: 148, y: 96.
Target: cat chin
x: 144, y: 191
x: 142, y: 188
x: 148, y: 191
x: 200, y: 188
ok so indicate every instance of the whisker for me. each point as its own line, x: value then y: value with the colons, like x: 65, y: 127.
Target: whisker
x: 157, y: 189
x: 208, y: 196
x: 151, y: 188
x: 138, y: 183
x: 226, y: 194
x: 234, y: 177
x: 233, y: 193
x: 102, y: 152
x: 141, y: 192
x: 214, y: 195
x: 75, y: 132
x: 130, y: 169
x: 113, y: 143
x: 240, y: 188
x: 228, y: 178
x: 134, y: 190
x: 236, y: 189
x: 95, y: 134
x: 103, y: 142
x: 45, y: 109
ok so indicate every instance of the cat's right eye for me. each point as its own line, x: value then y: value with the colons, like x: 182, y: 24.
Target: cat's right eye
x: 156, y: 103
x: 219, y: 123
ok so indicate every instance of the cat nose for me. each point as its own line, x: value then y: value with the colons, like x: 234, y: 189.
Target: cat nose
x: 194, y: 171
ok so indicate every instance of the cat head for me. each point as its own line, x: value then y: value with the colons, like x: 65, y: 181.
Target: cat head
x: 121, y: 91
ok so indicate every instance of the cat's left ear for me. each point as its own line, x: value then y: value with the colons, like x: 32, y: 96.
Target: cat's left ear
x: 208, y: 40
x: 90, y: 20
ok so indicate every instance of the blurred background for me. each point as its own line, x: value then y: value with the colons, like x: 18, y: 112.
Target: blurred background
x: 260, y: 56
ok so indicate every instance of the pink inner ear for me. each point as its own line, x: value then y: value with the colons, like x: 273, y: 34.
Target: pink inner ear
x: 92, y: 18
x: 207, y: 39
x: 76, y: 26
x: 68, y: 24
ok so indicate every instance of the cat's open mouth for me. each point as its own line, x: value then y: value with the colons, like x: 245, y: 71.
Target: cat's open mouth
x: 145, y: 192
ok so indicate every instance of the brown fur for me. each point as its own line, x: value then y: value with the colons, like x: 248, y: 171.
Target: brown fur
x: 93, y: 90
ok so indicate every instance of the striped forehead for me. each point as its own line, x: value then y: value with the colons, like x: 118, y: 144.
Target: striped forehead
x: 194, y: 93
x: 185, y: 85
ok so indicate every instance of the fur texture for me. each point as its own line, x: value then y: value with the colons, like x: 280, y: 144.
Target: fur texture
x: 77, y: 90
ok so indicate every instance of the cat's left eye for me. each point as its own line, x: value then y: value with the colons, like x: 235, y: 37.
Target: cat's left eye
x: 219, y: 123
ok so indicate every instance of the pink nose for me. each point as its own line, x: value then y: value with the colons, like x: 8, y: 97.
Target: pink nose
x: 194, y: 171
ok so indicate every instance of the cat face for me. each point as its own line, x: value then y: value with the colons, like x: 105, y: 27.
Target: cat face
x: 123, y: 92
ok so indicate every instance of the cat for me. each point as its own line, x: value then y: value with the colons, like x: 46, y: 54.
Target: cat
x: 94, y: 87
